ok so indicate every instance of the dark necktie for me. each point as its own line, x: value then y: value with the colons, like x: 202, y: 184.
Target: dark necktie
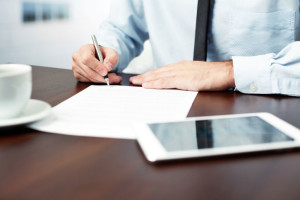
x: 200, y: 48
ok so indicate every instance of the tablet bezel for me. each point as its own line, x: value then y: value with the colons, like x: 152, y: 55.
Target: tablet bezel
x: 154, y: 151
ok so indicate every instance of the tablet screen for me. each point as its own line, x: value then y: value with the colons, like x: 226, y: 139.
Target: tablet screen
x: 202, y: 134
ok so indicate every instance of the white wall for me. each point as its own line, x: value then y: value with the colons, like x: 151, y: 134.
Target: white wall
x: 52, y: 43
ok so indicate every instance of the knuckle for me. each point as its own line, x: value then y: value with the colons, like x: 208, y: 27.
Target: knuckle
x: 74, y: 56
x: 85, y: 60
x: 89, y: 46
x: 115, y: 56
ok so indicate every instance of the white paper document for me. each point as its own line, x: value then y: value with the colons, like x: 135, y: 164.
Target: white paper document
x: 108, y: 111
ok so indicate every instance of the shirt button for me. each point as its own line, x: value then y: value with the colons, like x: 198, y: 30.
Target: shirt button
x: 253, y: 88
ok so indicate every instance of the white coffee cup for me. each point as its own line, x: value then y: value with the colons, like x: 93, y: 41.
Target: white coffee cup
x: 15, y: 89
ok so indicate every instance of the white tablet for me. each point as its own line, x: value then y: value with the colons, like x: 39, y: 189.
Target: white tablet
x: 215, y: 135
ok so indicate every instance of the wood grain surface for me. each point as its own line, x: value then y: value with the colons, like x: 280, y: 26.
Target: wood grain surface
x: 36, y: 165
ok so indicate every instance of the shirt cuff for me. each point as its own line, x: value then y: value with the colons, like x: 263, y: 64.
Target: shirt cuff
x: 252, y: 74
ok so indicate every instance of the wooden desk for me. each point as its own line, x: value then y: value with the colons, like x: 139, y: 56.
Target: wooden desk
x: 36, y: 165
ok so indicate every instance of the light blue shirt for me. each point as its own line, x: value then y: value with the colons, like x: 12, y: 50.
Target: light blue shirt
x: 258, y: 35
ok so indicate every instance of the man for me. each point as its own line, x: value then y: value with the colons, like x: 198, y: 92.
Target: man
x: 251, y: 46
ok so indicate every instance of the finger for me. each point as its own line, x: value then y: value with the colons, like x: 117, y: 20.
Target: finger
x: 114, y: 78
x: 158, y: 73
x: 78, y: 73
x: 110, y: 58
x: 88, y: 58
x: 92, y: 62
x: 83, y: 79
x: 82, y: 59
x: 80, y: 77
x: 166, y: 83
x: 171, y: 83
x: 90, y: 74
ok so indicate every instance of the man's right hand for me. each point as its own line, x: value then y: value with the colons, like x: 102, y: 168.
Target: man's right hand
x: 87, y: 68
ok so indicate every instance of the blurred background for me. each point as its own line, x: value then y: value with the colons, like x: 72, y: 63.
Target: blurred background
x: 48, y: 32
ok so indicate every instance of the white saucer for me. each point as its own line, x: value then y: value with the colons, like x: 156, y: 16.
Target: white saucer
x: 34, y: 111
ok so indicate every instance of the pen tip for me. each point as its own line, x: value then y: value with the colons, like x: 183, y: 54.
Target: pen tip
x: 107, y: 81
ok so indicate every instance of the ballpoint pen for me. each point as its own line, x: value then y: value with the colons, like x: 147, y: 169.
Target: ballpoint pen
x: 100, y: 57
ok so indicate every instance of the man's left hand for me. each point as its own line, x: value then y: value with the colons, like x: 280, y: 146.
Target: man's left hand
x: 189, y: 75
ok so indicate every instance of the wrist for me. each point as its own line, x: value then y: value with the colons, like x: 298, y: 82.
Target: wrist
x: 230, y: 73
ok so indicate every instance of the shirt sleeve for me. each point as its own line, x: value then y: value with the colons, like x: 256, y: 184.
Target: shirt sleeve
x: 270, y: 73
x: 124, y: 31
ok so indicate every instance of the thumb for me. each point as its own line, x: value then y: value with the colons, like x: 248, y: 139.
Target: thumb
x: 110, y: 58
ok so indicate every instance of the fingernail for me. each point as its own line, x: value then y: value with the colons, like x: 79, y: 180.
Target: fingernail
x: 103, y: 72
x: 134, y: 80
x: 109, y: 65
